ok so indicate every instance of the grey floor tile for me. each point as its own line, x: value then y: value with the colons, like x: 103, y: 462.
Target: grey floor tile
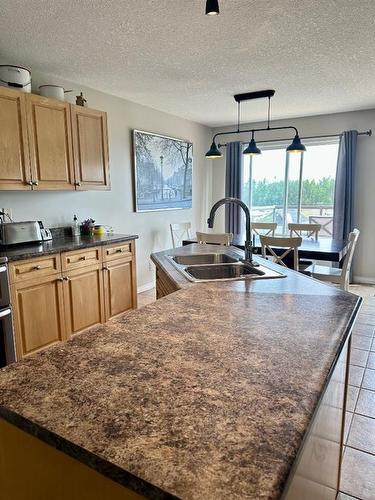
x: 366, y: 319
x: 342, y: 496
x: 348, y: 422
x: 371, y: 360
x: 358, y: 474
x: 362, y: 434
x: 368, y: 381
x: 356, y: 375
x: 358, y: 357
x: 373, y: 345
x: 361, y: 342
x: 365, y: 330
x: 366, y: 403
x: 352, y: 398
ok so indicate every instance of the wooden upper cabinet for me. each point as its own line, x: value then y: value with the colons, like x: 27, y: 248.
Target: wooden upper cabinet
x: 90, y: 144
x: 50, y: 141
x: 14, y: 153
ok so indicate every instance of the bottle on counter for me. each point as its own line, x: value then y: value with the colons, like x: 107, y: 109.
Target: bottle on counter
x: 76, y: 230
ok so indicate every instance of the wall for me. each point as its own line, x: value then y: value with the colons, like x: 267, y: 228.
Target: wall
x: 116, y: 206
x: 364, y: 262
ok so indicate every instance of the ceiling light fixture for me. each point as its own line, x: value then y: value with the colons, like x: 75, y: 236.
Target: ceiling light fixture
x: 212, y: 8
x: 296, y: 145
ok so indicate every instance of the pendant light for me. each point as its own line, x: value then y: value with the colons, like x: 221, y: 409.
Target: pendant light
x: 212, y: 8
x: 296, y: 146
x: 252, y: 149
x: 214, y: 151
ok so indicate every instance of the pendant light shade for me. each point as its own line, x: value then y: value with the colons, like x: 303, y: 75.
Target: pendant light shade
x: 252, y: 149
x: 296, y: 146
x: 212, y: 8
x: 214, y: 151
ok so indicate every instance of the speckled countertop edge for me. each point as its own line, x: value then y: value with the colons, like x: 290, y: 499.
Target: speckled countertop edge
x: 64, y: 244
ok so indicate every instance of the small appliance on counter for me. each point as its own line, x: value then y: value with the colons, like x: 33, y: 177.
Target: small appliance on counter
x: 15, y: 233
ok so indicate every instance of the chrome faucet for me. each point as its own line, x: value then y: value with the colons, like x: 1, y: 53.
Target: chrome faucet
x: 236, y: 201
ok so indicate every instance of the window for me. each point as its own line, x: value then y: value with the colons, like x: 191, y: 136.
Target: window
x: 281, y: 187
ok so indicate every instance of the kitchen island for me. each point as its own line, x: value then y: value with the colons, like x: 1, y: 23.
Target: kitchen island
x: 211, y: 392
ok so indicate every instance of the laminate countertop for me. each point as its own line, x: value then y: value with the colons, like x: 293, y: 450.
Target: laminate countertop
x: 204, y: 394
x: 61, y: 244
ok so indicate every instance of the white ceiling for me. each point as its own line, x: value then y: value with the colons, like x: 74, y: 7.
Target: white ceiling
x: 319, y: 55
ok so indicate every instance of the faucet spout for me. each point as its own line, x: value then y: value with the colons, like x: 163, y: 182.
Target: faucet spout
x: 236, y: 201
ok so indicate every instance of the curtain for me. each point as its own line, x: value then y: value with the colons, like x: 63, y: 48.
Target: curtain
x: 343, y: 221
x: 233, y: 186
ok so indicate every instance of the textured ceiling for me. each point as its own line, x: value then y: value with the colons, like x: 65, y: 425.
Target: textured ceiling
x: 319, y: 55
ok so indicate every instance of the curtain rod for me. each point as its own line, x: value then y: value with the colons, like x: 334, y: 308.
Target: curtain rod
x: 367, y: 132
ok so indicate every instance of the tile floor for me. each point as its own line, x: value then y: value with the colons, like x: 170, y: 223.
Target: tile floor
x: 358, y: 468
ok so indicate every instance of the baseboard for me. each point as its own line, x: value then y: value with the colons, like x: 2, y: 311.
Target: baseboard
x: 363, y: 280
x: 146, y: 286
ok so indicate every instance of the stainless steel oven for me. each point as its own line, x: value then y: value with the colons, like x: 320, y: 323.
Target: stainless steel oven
x: 7, y: 346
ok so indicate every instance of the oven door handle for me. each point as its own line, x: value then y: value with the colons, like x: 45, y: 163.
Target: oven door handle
x: 3, y: 269
x: 5, y: 312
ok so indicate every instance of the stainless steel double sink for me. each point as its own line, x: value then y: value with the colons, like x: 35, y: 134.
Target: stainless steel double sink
x: 219, y: 267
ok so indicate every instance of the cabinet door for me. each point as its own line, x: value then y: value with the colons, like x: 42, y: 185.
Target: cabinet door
x: 90, y: 143
x: 14, y: 151
x: 83, y: 299
x: 50, y: 138
x: 38, y: 314
x: 119, y: 287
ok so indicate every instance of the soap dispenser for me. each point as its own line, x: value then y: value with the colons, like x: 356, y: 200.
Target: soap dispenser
x: 76, y: 230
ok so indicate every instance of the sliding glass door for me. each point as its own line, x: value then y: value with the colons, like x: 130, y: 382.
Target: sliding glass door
x: 283, y: 188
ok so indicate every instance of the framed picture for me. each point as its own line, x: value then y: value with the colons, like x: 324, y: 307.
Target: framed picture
x: 163, y: 168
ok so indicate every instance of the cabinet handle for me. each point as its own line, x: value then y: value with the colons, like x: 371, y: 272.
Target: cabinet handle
x: 29, y: 183
x: 119, y: 250
x: 77, y: 183
x: 35, y: 183
x: 36, y: 268
x: 66, y: 278
x: 82, y: 258
x: 60, y: 279
x: 105, y: 269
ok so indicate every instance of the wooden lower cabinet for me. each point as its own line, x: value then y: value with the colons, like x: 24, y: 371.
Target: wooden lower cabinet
x: 57, y: 296
x: 120, y: 292
x: 83, y: 299
x: 38, y: 314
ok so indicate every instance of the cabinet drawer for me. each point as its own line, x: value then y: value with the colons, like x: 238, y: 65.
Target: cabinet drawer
x: 118, y: 251
x: 80, y: 258
x: 34, y: 268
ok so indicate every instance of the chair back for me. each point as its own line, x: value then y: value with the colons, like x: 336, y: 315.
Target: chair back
x: 268, y: 228
x: 290, y: 245
x: 304, y: 230
x: 219, y: 238
x: 180, y: 231
x: 347, y: 264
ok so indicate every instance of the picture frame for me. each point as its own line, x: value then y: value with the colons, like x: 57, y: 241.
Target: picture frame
x: 162, y: 172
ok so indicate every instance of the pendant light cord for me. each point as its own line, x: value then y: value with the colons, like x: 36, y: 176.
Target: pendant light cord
x: 238, y: 115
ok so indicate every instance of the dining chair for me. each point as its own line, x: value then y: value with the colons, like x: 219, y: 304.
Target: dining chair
x: 218, y: 238
x: 268, y: 227
x: 179, y: 232
x: 333, y: 274
x: 290, y: 244
x: 304, y: 230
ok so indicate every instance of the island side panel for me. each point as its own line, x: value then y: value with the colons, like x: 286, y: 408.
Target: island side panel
x: 30, y: 468
x: 316, y: 474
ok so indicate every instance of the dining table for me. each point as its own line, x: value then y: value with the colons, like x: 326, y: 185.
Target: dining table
x: 323, y: 249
